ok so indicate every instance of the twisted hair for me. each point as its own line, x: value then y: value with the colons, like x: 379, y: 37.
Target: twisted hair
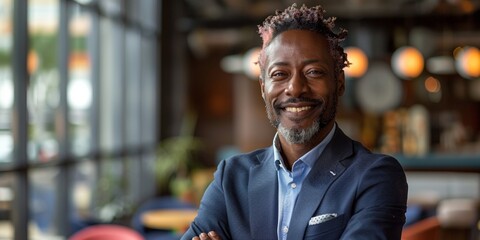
x: 304, y: 18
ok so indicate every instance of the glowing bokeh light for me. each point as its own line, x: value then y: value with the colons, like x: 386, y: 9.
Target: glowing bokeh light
x: 407, y: 62
x: 432, y: 85
x: 250, y: 66
x: 358, y: 60
x: 468, y: 62
x: 79, y: 94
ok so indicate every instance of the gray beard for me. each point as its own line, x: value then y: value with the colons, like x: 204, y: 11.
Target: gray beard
x: 299, y: 136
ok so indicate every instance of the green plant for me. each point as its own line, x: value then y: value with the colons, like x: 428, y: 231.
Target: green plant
x: 176, y: 160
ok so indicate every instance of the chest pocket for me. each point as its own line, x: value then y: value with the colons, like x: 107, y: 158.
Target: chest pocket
x: 331, y: 229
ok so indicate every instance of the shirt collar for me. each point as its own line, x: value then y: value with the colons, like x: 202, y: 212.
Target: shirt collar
x: 309, y: 158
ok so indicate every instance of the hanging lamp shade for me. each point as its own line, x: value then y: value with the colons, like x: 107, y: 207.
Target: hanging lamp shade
x: 407, y: 62
x: 467, y: 62
x: 250, y: 65
x: 358, y: 60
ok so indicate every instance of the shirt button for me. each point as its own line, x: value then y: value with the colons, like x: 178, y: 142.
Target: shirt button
x: 285, y: 229
x: 293, y: 185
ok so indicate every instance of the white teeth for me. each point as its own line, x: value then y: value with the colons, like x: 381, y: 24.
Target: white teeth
x: 297, y: 109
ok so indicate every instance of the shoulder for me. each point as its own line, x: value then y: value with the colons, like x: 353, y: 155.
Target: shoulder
x: 236, y: 170
x: 354, y: 154
x: 377, y: 167
x: 248, y: 160
x: 363, y: 158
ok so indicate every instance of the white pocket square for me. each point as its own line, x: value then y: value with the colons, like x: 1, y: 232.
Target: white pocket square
x: 322, y: 218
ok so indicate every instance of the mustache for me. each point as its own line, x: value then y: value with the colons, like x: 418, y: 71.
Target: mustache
x: 298, y: 100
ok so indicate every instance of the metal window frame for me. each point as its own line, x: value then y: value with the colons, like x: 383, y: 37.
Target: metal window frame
x: 20, y: 213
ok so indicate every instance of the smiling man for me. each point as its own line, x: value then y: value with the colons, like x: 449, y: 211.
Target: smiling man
x: 314, y: 182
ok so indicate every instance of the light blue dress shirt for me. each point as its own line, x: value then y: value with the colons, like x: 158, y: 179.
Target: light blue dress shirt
x: 290, y: 182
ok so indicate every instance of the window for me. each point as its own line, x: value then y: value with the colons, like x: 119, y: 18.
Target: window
x: 80, y: 80
x: 79, y: 93
x: 6, y: 106
x: 6, y: 80
x: 43, y: 94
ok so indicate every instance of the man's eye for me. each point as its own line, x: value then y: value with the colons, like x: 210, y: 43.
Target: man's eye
x: 315, y: 73
x: 278, y: 75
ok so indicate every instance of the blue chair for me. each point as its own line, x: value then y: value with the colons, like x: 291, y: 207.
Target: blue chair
x: 414, y: 214
x: 166, y: 202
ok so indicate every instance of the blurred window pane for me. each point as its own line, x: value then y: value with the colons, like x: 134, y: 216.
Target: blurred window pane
x: 83, y: 190
x: 149, y: 180
x: 6, y: 201
x: 43, y: 91
x: 133, y: 13
x: 148, y: 90
x: 149, y: 16
x: 42, y: 203
x: 110, y: 199
x: 111, y: 7
x: 111, y: 86
x: 133, y: 83
x: 79, y: 93
x: 6, y: 82
x: 135, y: 183
x: 85, y: 2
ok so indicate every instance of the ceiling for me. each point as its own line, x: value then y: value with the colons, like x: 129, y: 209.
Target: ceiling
x: 221, y: 9
x: 217, y: 23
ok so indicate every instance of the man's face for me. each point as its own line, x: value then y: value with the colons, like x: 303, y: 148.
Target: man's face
x: 300, y: 87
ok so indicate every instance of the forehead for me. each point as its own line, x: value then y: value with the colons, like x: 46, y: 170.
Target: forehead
x: 299, y: 45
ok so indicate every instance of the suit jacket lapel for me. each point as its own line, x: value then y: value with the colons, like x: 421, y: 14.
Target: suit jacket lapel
x: 326, y: 169
x: 263, y: 197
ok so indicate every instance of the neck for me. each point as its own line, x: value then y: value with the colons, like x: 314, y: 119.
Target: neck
x: 291, y: 152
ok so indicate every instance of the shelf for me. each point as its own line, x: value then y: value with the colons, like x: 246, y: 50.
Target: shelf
x: 441, y: 162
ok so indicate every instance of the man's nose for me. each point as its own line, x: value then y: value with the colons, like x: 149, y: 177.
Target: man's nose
x: 297, y: 85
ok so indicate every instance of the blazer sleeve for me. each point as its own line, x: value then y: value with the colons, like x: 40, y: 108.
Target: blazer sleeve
x: 380, y: 203
x: 212, y: 215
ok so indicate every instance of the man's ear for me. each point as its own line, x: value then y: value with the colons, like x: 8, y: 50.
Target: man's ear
x: 262, y: 86
x: 341, y: 83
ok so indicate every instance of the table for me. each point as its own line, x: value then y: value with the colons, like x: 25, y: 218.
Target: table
x: 174, y: 219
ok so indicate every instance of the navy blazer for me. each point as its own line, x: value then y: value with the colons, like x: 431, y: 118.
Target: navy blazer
x: 366, y: 191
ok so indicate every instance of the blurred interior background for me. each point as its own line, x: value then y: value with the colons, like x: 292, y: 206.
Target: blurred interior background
x: 108, y: 104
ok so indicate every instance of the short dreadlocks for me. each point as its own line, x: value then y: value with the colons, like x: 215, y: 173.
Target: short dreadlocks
x: 311, y: 19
